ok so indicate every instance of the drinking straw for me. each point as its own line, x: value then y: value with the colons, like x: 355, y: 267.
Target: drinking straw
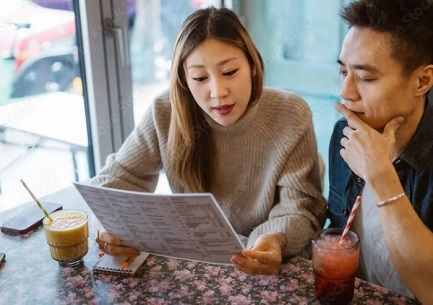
x: 351, y: 217
x: 36, y: 200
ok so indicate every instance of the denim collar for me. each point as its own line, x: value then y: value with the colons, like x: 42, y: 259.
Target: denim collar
x: 419, y: 148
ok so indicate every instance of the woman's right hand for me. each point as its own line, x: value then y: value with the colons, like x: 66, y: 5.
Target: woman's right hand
x: 111, y: 245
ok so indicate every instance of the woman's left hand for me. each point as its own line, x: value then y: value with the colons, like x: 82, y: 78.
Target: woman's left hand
x: 264, y: 258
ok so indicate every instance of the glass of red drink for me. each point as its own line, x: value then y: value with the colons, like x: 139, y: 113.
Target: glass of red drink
x: 335, y: 265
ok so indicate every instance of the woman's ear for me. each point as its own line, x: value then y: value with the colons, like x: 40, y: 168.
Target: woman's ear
x: 253, y: 70
x: 425, y: 80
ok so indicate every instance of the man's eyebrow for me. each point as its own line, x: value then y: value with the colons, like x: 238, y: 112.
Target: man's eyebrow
x: 368, y: 68
x: 223, y: 62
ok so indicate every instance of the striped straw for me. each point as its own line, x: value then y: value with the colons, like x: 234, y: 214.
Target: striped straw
x: 351, y: 217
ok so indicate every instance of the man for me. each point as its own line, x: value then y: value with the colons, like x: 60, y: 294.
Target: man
x: 383, y: 147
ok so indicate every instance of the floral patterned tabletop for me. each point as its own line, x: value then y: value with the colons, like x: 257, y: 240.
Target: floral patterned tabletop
x: 30, y: 276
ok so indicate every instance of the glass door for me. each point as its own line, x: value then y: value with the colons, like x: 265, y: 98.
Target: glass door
x: 43, y: 134
x: 300, y: 43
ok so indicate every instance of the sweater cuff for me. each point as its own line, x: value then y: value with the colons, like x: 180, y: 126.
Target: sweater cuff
x: 297, y: 229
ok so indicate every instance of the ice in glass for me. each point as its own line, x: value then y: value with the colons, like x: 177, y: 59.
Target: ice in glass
x: 67, y: 236
x: 334, y: 266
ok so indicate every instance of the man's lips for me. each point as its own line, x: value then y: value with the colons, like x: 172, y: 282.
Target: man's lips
x: 351, y: 109
x: 223, y: 109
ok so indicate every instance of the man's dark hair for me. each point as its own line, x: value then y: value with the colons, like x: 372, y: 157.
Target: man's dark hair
x: 409, y: 22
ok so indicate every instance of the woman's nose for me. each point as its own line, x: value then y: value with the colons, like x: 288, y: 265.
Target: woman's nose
x: 218, y: 88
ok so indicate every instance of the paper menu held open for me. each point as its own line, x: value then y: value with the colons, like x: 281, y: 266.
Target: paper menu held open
x: 190, y: 226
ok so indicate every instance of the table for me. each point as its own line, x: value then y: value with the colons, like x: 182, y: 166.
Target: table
x: 57, y: 116
x: 30, y: 276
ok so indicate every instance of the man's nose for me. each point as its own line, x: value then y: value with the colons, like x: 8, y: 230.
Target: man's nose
x: 218, y: 88
x: 349, y: 89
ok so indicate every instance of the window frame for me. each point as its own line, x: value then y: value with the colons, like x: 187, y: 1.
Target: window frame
x: 104, y: 30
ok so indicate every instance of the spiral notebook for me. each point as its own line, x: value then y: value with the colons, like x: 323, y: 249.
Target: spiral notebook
x: 113, y: 264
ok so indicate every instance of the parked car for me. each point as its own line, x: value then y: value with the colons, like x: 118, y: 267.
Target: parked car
x: 38, y: 37
x: 29, y: 35
x: 30, y: 30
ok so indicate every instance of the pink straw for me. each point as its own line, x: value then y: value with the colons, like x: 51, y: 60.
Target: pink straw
x: 351, y: 217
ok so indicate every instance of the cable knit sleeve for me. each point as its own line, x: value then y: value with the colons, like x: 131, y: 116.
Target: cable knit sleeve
x: 299, y: 207
x: 137, y: 164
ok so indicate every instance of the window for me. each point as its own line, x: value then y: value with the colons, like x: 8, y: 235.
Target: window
x: 119, y: 62
x: 43, y: 133
x: 300, y: 42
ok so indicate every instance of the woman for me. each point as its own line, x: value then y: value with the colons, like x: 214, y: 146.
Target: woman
x: 218, y: 130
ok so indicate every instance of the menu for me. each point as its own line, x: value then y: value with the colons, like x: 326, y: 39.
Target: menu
x: 190, y: 226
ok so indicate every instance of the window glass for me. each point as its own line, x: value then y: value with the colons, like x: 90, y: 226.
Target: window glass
x: 300, y: 54
x: 43, y: 134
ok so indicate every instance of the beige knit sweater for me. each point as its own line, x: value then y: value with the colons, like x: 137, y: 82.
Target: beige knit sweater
x: 266, y: 170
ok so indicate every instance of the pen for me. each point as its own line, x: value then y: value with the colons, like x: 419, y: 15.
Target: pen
x: 125, y: 264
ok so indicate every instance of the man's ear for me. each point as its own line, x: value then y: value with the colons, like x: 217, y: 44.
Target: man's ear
x: 425, y: 80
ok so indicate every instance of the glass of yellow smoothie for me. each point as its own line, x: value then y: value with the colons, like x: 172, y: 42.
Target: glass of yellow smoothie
x: 67, y: 236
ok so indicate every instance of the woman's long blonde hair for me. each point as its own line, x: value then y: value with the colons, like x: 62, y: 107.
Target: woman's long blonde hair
x: 189, y: 141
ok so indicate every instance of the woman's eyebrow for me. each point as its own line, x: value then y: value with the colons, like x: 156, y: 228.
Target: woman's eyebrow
x: 221, y: 63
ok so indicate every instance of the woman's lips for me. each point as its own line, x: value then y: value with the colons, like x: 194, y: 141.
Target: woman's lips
x: 224, y: 109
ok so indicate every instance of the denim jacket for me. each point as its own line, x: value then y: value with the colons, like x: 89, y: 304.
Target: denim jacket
x: 414, y: 168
